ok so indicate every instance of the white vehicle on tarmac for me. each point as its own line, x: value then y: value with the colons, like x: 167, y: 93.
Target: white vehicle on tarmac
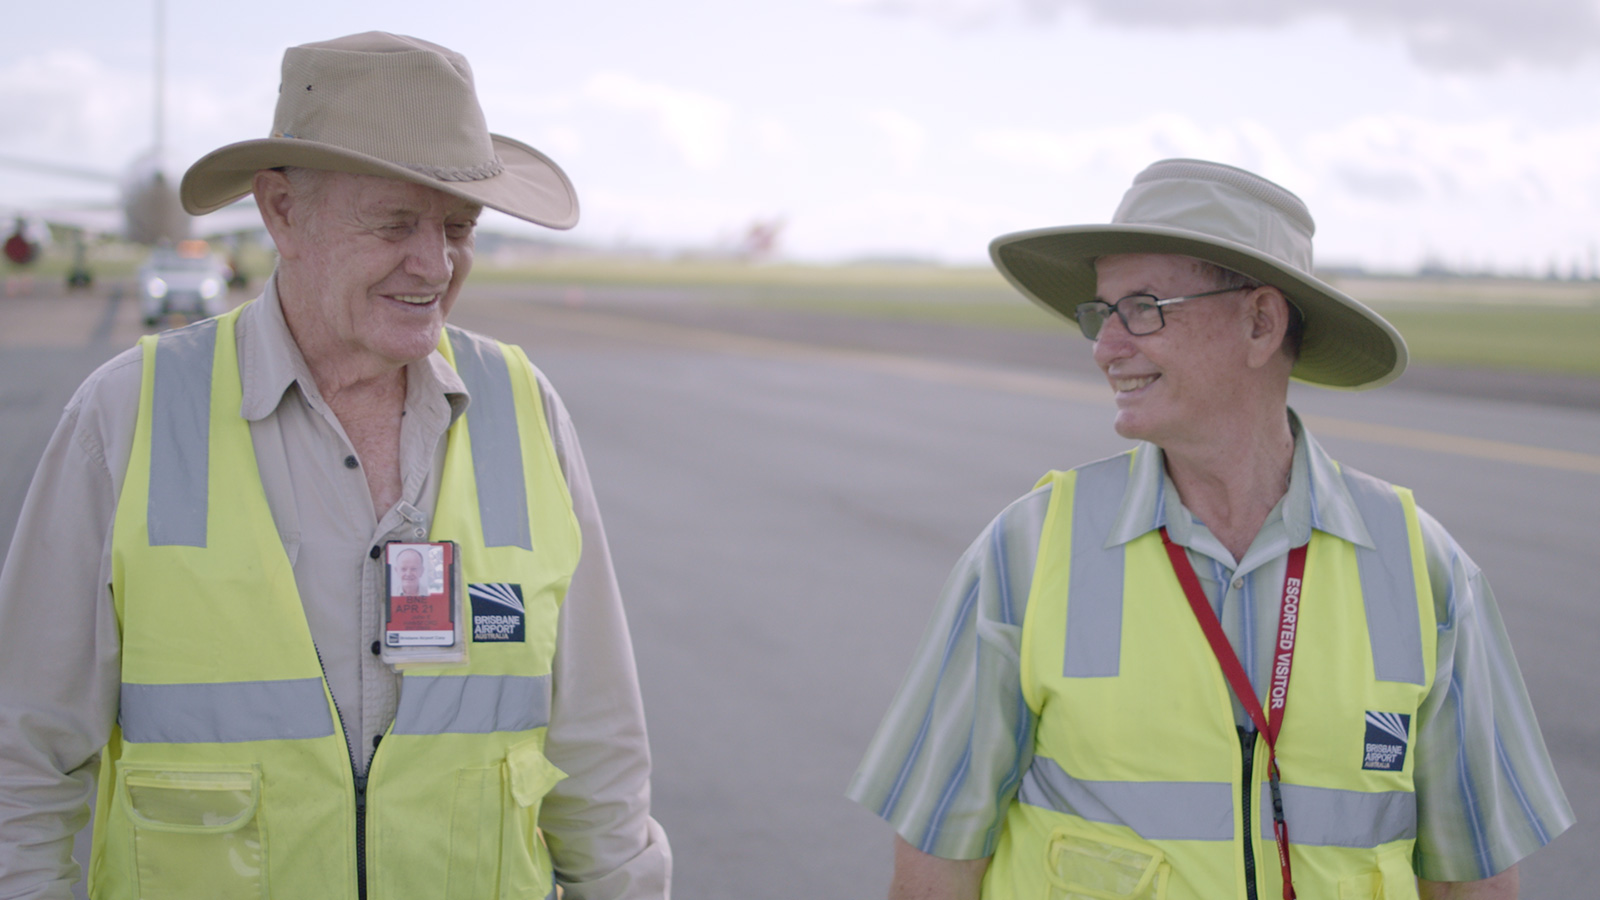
x: 186, y: 280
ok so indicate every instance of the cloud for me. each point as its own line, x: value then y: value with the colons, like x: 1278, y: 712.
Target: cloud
x: 1440, y: 34
x: 1129, y: 146
x: 898, y: 223
x: 1388, y: 189
x: 904, y: 138
x: 696, y: 125
x: 1398, y: 160
x: 774, y: 137
x: 70, y: 99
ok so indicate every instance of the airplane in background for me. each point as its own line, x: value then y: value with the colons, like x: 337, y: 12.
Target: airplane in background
x: 146, y: 211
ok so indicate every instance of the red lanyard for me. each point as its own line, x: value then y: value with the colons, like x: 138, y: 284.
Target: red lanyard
x: 1282, y: 664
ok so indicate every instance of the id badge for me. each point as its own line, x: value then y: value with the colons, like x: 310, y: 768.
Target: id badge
x: 422, y: 609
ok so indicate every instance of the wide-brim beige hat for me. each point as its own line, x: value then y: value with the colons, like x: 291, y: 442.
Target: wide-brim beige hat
x: 394, y: 106
x: 1230, y: 217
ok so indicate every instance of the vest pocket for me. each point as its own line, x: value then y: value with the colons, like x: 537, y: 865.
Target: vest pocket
x: 524, y: 863
x: 474, y: 834
x: 1081, y: 866
x: 196, y: 832
x: 1393, y: 879
x: 495, y: 817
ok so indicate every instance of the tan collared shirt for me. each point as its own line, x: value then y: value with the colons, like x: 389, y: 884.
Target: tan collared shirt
x: 59, y: 652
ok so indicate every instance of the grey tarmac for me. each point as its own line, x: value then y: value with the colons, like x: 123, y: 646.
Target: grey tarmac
x: 786, y: 491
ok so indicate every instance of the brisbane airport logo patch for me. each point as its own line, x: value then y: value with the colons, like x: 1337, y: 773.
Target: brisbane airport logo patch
x: 1386, y: 741
x: 497, y: 613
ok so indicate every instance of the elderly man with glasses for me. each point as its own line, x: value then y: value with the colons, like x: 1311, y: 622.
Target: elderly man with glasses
x: 1219, y: 664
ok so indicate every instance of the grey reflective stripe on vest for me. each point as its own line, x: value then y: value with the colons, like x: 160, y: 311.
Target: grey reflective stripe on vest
x: 180, y: 439
x: 1326, y: 817
x: 472, y: 704
x: 1203, y: 810
x: 1156, y: 810
x: 180, y: 436
x: 1094, y: 589
x: 496, y: 446
x: 1388, y: 586
x: 225, y: 712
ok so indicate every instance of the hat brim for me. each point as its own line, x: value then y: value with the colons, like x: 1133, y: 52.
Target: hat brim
x: 531, y: 186
x: 1346, y: 345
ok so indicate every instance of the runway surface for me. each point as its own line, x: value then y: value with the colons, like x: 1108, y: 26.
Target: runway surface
x: 785, y: 494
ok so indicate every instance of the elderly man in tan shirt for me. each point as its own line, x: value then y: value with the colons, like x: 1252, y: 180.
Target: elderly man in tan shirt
x: 348, y: 404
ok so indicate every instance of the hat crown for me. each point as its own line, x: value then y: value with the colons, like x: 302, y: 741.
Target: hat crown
x: 388, y: 96
x: 1223, y: 202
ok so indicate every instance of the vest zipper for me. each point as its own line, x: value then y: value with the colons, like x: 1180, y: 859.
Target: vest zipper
x: 360, y: 785
x: 361, y: 837
x: 1247, y: 752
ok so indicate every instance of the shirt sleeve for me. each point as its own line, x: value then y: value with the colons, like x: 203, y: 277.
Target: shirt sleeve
x: 947, y: 759
x: 1487, y: 793
x: 597, y: 820
x: 60, y: 657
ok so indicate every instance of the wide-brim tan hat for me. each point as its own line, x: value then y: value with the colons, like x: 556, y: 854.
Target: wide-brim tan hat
x: 1230, y: 217
x: 394, y: 106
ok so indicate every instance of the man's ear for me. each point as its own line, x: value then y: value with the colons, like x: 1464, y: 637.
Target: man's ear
x: 275, y: 197
x: 1269, y: 320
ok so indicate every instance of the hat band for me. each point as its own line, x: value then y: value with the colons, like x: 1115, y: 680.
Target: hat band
x: 454, y: 173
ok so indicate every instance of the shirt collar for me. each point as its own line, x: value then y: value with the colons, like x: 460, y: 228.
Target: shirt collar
x: 270, y: 363
x: 1317, y: 498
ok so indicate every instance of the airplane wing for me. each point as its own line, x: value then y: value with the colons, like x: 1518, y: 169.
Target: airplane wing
x: 91, y: 220
x: 237, y: 218
x: 51, y: 168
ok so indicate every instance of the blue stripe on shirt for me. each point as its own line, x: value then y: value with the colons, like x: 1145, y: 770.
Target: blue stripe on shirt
x: 952, y: 787
x: 1013, y: 777
x: 1002, y: 575
x: 1516, y: 788
x: 922, y: 733
x: 1469, y: 799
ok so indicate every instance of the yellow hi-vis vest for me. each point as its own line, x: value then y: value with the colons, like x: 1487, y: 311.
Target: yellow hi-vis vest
x: 1141, y: 785
x: 228, y: 775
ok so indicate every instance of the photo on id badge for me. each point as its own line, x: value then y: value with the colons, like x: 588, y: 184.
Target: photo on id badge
x: 420, y: 612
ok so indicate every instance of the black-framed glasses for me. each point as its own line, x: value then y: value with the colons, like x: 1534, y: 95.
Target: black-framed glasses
x: 1140, y: 313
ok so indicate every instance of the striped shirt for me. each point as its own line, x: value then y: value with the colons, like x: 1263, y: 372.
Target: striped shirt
x: 945, y: 764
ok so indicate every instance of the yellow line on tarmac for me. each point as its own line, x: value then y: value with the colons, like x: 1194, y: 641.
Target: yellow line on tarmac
x: 1055, y: 386
x: 1439, y: 442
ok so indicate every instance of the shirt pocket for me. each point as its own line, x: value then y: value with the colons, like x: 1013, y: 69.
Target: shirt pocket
x: 196, y: 831
x: 1084, y: 866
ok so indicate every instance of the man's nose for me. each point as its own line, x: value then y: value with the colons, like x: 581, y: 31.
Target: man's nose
x: 429, y: 254
x: 1113, y: 342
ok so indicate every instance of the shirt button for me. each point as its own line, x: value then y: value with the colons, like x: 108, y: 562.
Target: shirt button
x: 377, y: 648
x: 350, y: 462
x: 421, y: 532
x: 1238, y: 583
x: 375, y: 552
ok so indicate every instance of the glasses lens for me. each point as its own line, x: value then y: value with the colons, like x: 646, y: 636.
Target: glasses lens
x: 1090, y: 317
x: 1141, y: 313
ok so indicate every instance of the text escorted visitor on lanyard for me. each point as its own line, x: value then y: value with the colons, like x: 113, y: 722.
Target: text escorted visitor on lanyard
x: 1283, y: 663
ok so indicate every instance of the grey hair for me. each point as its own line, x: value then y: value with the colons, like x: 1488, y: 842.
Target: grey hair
x: 1223, y: 277
x: 305, y: 184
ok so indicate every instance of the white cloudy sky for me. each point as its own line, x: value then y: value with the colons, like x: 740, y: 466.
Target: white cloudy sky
x: 1467, y: 131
